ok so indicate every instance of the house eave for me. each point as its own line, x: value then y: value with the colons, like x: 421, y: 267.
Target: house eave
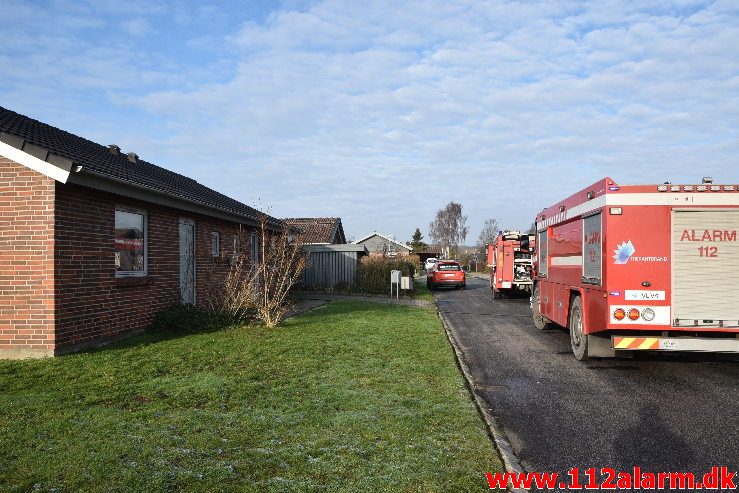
x: 106, y: 183
x: 35, y: 157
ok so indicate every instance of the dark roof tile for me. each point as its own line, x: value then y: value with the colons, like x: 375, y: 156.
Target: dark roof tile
x: 317, y: 230
x: 101, y: 160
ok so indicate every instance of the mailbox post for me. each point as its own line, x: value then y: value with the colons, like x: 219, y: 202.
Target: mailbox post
x: 395, y: 283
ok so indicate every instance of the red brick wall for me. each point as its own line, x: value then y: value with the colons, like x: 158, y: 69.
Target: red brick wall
x: 26, y: 261
x: 92, y: 305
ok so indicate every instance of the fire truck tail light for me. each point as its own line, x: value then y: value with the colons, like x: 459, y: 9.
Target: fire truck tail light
x: 616, y: 211
x: 634, y: 314
x: 648, y: 314
x: 619, y: 314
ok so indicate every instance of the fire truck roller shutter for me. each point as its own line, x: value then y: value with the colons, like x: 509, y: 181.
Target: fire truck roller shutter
x: 705, y: 267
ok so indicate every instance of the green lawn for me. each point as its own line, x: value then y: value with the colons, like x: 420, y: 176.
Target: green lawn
x: 350, y: 397
x: 422, y: 291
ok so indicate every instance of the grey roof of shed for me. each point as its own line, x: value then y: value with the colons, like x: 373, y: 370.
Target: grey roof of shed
x: 100, y: 160
x: 342, y: 247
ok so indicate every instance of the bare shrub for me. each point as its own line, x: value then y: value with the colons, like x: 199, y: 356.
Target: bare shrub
x: 231, y: 286
x: 256, y: 280
x: 282, y: 264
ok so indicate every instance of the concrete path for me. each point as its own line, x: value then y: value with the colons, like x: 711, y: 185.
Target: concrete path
x: 312, y: 296
x: 310, y: 300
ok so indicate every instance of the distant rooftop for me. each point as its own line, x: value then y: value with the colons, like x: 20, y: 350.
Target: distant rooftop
x: 317, y: 230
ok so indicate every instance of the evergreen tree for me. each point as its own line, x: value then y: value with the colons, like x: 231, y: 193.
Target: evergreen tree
x: 416, y: 242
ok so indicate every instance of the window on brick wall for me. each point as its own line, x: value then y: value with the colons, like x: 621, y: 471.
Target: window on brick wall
x: 254, y: 248
x: 130, y: 242
x: 215, y: 243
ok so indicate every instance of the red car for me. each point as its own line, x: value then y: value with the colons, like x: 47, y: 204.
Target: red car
x: 446, y: 273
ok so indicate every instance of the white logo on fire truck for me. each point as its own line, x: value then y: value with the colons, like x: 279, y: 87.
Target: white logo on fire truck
x: 624, y: 252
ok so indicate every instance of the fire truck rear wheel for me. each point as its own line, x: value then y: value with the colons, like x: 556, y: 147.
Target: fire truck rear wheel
x: 497, y: 295
x: 578, y: 340
x: 540, y: 322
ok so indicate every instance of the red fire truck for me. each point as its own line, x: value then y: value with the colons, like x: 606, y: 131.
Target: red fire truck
x: 643, y: 267
x: 509, y: 260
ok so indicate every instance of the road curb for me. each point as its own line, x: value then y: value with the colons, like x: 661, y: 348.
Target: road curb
x: 502, y: 444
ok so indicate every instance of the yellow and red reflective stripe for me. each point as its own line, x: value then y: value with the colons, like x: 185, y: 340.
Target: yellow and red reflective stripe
x: 635, y: 342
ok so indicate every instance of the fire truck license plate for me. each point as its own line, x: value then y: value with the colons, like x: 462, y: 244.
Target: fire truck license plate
x: 630, y: 295
x: 448, y: 275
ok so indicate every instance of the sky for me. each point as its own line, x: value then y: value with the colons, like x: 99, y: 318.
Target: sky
x: 381, y: 112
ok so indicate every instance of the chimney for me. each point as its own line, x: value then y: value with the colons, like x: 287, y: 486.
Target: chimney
x: 132, y: 157
x: 114, y: 149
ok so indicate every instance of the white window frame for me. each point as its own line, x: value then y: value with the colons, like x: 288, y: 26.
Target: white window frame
x: 543, y: 259
x: 215, y: 244
x: 255, y: 248
x: 145, y: 214
x: 598, y: 281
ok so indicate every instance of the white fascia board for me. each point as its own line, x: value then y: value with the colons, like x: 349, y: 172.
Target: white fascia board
x: 33, y: 163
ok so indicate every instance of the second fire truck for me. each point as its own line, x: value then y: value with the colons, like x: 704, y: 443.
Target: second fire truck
x: 509, y: 261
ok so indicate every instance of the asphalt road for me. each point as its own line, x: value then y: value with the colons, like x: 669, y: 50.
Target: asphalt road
x: 660, y: 412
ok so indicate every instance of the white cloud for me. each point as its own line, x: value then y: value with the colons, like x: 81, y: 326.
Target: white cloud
x: 381, y: 112
x: 137, y: 27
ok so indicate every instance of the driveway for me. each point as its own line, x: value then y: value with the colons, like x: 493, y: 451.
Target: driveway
x: 660, y: 412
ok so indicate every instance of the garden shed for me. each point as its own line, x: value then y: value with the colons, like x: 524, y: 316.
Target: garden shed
x: 331, y: 266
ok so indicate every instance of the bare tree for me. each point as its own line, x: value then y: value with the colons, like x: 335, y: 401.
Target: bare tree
x: 489, y: 232
x: 449, y: 228
x: 532, y: 228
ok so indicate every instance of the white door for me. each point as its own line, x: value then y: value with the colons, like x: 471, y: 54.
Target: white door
x: 187, y: 261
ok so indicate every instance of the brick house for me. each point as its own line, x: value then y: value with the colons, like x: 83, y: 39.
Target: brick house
x: 317, y: 230
x: 380, y: 245
x: 94, y: 242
